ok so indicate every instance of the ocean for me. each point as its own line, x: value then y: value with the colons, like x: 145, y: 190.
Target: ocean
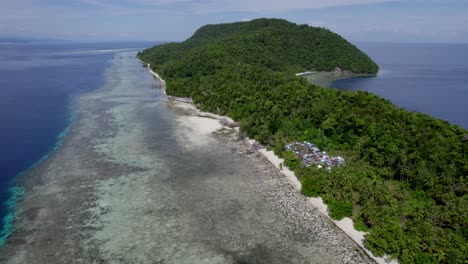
x: 428, y: 78
x: 37, y: 82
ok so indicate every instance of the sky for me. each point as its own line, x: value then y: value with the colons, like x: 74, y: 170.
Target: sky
x: 176, y: 20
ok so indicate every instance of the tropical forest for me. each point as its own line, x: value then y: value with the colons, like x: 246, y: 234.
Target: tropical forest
x: 405, y: 176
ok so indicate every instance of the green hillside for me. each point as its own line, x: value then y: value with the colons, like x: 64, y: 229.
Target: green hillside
x: 405, y: 178
x: 277, y: 44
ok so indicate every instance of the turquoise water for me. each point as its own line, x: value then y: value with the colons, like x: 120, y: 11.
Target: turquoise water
x: 37, y: 84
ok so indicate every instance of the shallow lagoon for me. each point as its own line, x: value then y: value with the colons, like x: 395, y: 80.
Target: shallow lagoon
x: 37, y: 83
x: 136, y: 181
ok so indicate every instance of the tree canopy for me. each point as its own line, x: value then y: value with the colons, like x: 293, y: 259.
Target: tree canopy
x: 405, y: 178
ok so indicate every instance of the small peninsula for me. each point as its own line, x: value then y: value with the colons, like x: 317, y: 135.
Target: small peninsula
x: 405, y: 176
x: 143, y: 179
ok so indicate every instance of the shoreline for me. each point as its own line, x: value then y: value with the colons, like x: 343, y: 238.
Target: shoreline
x: 346, y: 224
x: 137, y: 181
x: 163, y: 82
x: 342, y: 72
x: 326, y: 79
x: 51, y: 212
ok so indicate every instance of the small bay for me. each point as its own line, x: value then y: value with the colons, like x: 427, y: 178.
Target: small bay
x: 428, y: 78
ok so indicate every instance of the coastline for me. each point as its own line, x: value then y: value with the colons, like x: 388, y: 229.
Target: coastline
x: 326, y: 79
x: 148, y: 66
x: 346, y: 224
x: 138, y: 181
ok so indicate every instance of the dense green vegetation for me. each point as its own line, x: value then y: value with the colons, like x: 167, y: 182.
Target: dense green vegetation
x: 276, y: 44
x: 405, y: 178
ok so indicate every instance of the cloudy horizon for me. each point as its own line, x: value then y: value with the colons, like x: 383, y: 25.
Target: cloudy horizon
x: 175, y: 20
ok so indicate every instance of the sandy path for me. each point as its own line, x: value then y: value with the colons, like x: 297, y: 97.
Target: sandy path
x: 138, y: 182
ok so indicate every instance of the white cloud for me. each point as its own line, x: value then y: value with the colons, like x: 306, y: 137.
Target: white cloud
x: 320, y: 24
x: 210, y: 6
x: 281, y: 5
x: 95, y: 3
x: 177, y: 19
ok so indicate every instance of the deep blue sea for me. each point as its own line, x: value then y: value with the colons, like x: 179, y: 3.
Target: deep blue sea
x: 428, y: 78
x: 37, y: 82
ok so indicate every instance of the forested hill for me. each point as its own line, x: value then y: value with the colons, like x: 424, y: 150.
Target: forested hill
x: 405, y: 176
x: 277, y: 44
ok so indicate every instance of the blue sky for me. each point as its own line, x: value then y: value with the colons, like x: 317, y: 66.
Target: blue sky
x: 174, y: 20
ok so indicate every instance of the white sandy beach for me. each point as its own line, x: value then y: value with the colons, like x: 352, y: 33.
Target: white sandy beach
x: 137, y: 181
x: 205, y: 123
x: 346, y: 224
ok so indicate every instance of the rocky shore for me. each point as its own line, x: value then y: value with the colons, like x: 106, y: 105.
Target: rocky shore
x: 140, y: 180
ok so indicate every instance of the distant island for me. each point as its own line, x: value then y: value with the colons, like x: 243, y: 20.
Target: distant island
x: 405, y: 176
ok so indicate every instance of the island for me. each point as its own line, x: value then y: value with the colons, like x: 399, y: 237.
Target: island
x: 404, y: 175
